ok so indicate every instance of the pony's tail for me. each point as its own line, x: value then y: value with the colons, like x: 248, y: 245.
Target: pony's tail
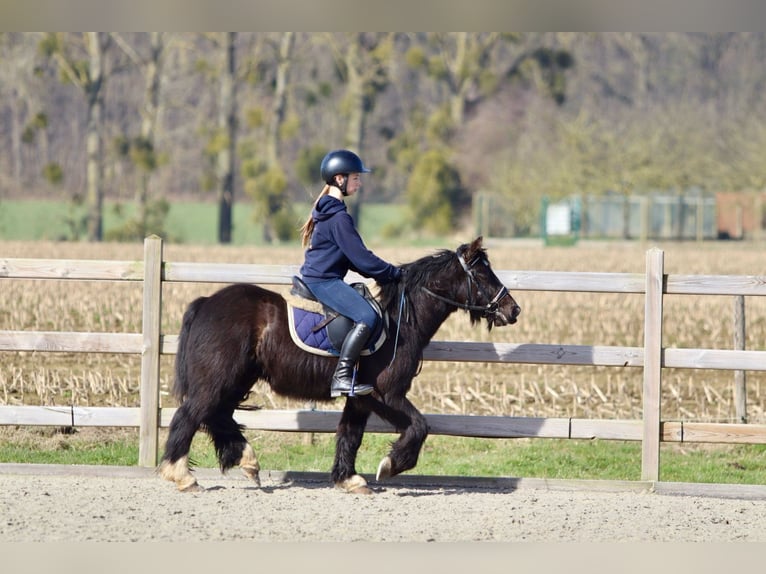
x: 181, y: 382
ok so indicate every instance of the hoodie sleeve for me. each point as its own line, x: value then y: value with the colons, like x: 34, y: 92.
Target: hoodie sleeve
x: 362, y: 260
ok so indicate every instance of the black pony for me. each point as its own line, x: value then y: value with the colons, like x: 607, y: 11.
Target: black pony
x: 240, y: 334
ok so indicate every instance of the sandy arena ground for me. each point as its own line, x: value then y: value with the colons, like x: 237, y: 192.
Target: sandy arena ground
x: 59, y: 503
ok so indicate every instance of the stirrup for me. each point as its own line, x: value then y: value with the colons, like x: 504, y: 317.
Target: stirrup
x: 354, y: 391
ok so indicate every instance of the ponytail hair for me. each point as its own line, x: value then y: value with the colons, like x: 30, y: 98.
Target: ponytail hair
x: 308, y: 227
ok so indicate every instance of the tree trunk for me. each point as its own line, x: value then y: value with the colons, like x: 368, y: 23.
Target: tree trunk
x: 273, y: 134
x: 355, y: 97
x: 93, y: 138
x: 149, y: 120
x: 280, y: 98
x: 460, y: 85
x: 227, y: 123
x: 17, y: 110
x: 355, y: 89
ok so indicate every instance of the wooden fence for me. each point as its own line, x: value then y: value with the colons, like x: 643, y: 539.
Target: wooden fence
x: 151, y: 343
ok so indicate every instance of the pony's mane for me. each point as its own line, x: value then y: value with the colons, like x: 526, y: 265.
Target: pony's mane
x: 416, y: 275
x: 421, y: 272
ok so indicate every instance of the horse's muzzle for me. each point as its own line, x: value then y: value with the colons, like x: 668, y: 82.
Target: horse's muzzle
x: 504, y: 317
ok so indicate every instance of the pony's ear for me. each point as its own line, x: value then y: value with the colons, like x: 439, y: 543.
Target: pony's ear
x: 474, y: 248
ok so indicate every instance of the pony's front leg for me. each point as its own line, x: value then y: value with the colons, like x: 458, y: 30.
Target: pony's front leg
x: 405, y: 451
x: 348, y: 439
x: 178, y: 472
x: 249, y: 464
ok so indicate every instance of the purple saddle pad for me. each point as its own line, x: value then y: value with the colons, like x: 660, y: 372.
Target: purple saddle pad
x: 305, y: 322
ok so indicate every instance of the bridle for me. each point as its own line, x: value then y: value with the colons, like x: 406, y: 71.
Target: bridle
x: 487, y: 311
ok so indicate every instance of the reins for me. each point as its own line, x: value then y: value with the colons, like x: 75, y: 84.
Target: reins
x: 398, y: 326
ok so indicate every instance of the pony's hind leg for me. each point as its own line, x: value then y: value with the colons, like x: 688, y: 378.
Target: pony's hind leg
x: 175, y: 462
x: 232, y: 447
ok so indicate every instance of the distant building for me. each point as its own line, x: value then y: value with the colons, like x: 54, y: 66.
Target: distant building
x: 694, y: 214
x: 740, y: 215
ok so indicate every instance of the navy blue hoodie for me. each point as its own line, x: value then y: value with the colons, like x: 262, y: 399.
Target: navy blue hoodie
x: 337, y: 247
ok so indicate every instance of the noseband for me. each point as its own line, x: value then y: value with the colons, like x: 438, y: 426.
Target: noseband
x: 487, y: 311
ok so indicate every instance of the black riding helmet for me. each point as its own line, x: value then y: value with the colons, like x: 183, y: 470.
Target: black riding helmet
x: 341, y: 161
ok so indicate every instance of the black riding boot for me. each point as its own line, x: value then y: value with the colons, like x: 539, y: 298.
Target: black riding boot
x: 343, y: 378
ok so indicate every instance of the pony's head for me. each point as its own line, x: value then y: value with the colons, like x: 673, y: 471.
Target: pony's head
x: 484, y: 295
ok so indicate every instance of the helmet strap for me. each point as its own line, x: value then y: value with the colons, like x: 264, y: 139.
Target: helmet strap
x: 342, y: 186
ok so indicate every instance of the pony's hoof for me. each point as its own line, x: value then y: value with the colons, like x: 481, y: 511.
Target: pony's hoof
x: 178, y: 473
x: 354, y: 485
x: 384, y: 469
x: 365, y: 490
x: 193, y: 487
x: 253, y: 473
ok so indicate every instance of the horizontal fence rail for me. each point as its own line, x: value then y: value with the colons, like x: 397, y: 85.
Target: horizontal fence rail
x: 151, y: 343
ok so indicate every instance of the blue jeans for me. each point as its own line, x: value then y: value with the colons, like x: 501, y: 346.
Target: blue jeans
x: 341, y: 297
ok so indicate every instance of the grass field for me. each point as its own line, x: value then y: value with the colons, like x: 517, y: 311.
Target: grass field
x: 441, y: 456
x: 444, y: 387
x: 189, y: 222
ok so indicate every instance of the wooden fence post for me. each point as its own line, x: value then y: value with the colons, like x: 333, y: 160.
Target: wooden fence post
x: 650, y: 446
x: 150, y: 353
x: 740, y: 388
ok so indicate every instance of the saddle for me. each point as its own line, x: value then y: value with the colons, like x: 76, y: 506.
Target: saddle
x: 320, y: 330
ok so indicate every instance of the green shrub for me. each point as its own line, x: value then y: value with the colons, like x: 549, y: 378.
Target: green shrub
x: 435, y: 194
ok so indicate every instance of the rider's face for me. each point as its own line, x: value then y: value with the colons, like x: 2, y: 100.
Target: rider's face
x: 354, y: 183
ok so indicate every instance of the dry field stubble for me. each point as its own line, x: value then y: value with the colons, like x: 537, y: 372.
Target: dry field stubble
x: 443, y: 387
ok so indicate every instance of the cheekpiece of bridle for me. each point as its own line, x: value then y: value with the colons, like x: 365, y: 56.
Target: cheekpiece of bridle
x: 487, y: 311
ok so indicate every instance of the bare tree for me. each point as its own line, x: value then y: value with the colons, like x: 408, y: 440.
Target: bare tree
x: 143, y: 148
x: 275, y: 207
x: 91, y: 80
x: 279, y: 109
x: 227, y: 124
x: 364, y: 59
